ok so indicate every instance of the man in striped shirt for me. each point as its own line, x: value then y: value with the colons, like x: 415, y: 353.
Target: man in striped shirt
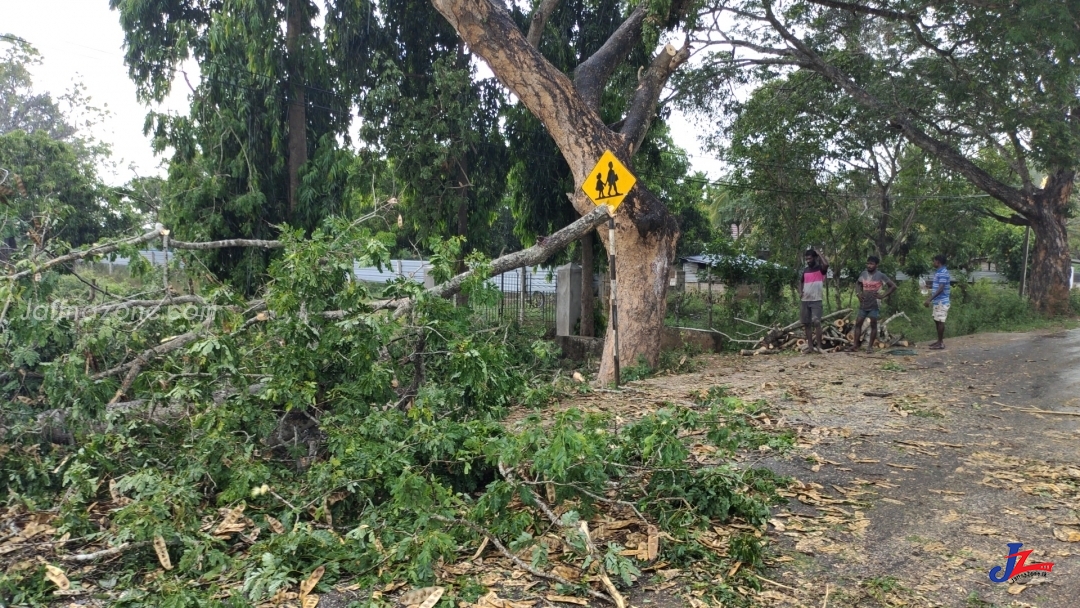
x: 939, y: 297
x: 811, y: 283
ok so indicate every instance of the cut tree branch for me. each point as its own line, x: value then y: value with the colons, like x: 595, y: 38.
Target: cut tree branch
x: 526, y: 257
x: 86, y: 253
x: 227, y: 243
x: 650, y: 85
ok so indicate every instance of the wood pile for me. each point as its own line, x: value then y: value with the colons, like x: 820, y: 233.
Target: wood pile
x: 837, y: 333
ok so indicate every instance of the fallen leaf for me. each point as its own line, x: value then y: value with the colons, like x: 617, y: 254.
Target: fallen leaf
x: 1067, y: 535
x: 983, y: 530
x: 57, y: 576
x: 433, y: 598
x: 566, y: 599
x: 420, y: 596
x: 492, y: 600
x: 308, y: 585
x: 162, y: 552
x: 654, y: 542
x: 309, y: 601
x: 568, y: 572
x: 233, y: 522
x: 275, y: 525
x: 1016, y: 589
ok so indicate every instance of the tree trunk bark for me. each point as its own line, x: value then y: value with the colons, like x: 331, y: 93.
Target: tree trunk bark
x: 588, y: 296
x: 297, y: 118
x: 1051, y: 263
x: 642, y: 265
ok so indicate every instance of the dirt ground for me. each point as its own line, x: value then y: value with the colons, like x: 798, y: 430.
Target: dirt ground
x: 910, y: 497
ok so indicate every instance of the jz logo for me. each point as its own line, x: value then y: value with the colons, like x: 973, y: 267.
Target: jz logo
x: 1016, y: 564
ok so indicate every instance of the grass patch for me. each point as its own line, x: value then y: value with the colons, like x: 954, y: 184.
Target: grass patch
x: 676, y: 361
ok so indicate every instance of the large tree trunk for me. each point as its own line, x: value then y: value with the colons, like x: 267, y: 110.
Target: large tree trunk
x: 1051, y: 263
x: 642, y: 266
x: 297, y: 117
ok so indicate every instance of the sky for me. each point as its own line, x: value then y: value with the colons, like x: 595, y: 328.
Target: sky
x: 81, y: 40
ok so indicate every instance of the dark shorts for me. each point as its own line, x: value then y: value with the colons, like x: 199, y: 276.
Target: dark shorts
x: 873, y: 313
x: 810, y: 312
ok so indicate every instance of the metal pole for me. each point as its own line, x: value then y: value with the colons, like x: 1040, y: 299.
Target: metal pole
x: 710, y: 303
x: 521, y: 301
x: 1023, y: 280
x: 614, y: 304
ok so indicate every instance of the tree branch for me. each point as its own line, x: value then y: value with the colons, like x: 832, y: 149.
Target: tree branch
x: 526, y: 257
x: 1014, y: 219
x: 96, y: 250
x: 901, y: 121
x: 575, y: 126
x: 227, y: 243
x: 865, y: 10
x: 593, y: 74
x: 539, y: 21
x: 650, y: 85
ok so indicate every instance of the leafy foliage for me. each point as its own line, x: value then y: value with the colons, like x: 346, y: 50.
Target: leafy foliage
x: 323, y: 431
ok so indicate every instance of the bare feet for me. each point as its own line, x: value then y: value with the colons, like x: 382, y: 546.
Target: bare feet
x: 937, y: 346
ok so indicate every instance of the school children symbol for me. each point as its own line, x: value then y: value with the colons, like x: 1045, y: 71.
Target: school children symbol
x: 609, y: 182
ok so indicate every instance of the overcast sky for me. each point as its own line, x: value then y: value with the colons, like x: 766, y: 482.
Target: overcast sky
x: 82, y: 40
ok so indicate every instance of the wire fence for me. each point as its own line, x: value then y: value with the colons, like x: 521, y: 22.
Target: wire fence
x: 536, y: 309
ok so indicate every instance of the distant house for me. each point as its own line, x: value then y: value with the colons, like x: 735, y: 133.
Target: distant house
x: 694, y: 267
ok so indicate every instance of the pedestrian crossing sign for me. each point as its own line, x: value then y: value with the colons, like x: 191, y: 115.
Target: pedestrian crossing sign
x: 609, y: 182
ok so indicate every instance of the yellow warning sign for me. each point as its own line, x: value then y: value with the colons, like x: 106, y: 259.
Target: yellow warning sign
x: 609, y: 182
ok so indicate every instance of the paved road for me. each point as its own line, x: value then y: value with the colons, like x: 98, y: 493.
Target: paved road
x: 978, y: 474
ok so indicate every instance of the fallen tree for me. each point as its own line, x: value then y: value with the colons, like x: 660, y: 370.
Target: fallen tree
x: 367, y: 441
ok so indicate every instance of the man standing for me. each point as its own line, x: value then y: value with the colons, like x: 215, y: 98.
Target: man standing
x: 868, y: 287
x: 939, y: 297
x: 811, y: 283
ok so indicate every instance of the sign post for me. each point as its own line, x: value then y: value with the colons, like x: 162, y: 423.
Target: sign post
x: 612, y: 183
